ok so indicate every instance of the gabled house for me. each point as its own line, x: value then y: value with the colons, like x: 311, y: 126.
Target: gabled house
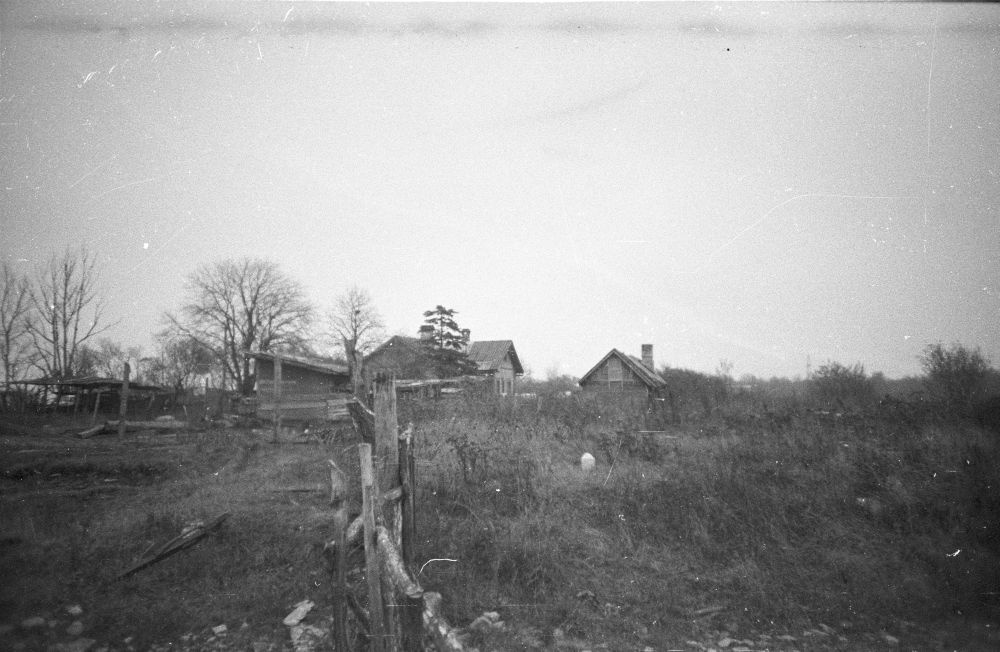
x: 620, y: 373
x: 402, y: 356
x: 406, y: 357
x: 497, y: 360
x: 311, y: 389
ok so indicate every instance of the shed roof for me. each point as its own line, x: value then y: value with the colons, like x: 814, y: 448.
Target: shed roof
x: 92, y: 382
x: 312, y: 364
x: 647, y: 376
x: 489, y: 354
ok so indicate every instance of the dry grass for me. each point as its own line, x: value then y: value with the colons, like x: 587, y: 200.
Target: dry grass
x: 726, y: 521
x: 840, y: 520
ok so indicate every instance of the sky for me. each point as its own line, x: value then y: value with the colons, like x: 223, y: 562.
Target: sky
x: 772, y: 185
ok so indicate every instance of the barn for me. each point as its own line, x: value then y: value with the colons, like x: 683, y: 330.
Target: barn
x: 310, y: 389
x: 619, y: 373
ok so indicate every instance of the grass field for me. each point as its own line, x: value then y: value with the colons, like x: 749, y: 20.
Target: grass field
x: 854, y: 532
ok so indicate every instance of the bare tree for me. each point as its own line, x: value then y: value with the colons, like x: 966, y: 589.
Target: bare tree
x: 356, y: 327
x: 65, y: 311
x: 110, y: 357
x: 178, y: 360
x: 237, y: 306
x: 14, y: 341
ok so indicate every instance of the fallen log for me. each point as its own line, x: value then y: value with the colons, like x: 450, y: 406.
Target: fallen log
x: 315, y: 489
x: 150, y: 425
x: 90, y: 432
x: 187, y: 538
x: 112, y: 426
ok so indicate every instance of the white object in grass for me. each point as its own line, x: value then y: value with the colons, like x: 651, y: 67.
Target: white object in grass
x: 587, y: 462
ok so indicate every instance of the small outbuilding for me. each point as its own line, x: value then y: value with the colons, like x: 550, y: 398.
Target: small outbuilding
x: 310, y: 389
x: 619, y: 373
x: 97, y: 394
x: 498, y: 361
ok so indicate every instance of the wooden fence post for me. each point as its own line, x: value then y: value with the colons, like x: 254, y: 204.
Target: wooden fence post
x: 411, y: 618
x: 408, y: 482
x: 123, y: 408
x: 369, y: 502
x: 222, y: 391
x: 387, y: 444
x: 387, y: 469
x: 338, y: 500
x: 277, y: 394
x: 97, y: 406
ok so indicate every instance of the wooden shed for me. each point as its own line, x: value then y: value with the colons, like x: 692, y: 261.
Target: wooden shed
x: 619, y: 373
x: 497, y: 360
x: 310, y: 389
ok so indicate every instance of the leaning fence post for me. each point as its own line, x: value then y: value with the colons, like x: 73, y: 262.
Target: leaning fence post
x: 369, y: 502
x: 97, y: 406
x: 412, y: 608
x: 338, y: 500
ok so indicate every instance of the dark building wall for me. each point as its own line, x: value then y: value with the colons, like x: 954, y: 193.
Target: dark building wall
x: 402, y: 361
x: 306, y: 394
x: 504, y: 379
x: 296, y: 380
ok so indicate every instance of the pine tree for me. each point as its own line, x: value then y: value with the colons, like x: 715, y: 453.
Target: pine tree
x: 446, y: 345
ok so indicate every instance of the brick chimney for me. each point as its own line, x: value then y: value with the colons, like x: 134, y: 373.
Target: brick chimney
x: 647, y: 357
x: 466, y: 333
x: 426, y: 332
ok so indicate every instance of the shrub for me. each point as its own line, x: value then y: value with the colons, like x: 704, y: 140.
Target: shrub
x: 834, y: 383
x: 691, y: 394
x: 956, y: 375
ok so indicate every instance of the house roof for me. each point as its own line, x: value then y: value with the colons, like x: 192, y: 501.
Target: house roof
x: 397, y: 341
x: 312, y: 364
x: 92, y: 382
x: 649, y: 378
x: 490, y: 353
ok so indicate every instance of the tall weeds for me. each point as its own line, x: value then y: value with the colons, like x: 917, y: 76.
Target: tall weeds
x: 788, y: 515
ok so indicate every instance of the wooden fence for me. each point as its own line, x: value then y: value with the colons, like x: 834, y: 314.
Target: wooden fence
x: 400, y: 614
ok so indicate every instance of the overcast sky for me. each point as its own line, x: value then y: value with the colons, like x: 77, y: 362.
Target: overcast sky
x: 759, y: 183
